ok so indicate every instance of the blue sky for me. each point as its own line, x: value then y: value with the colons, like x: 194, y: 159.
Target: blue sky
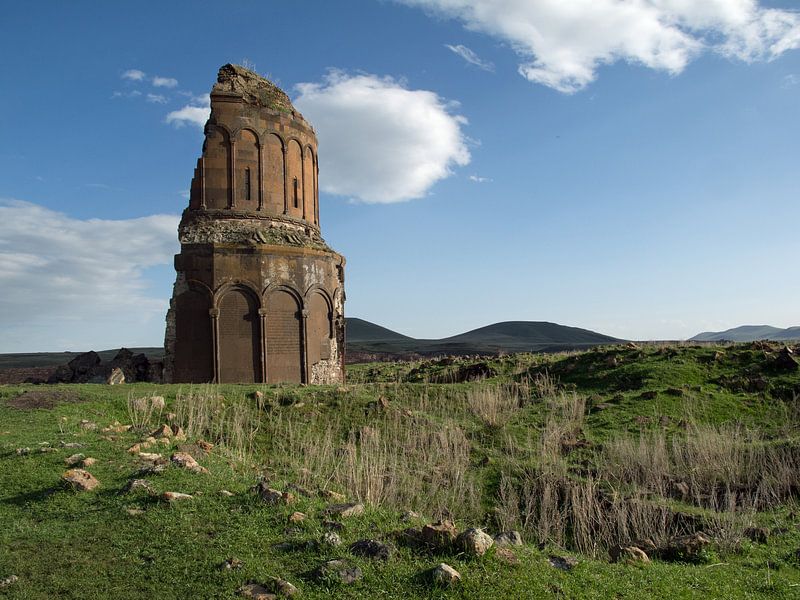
x: 628, y: 167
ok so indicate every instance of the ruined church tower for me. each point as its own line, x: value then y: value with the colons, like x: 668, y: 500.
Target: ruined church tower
x: 259, y: 296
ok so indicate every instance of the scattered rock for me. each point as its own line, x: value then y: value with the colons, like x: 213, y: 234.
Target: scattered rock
x: 785, y: 361
x: 565, y: 563
x: 175, y: 496
x: 410, y: 515
x: 88, y: 425
x: 80, y: 480
x: 137, y: 485
x: 331, y: 495
x: 116, y: 427
x: 372, y: 549
x: 23, y: 451
x: 8, y: 581
x: 116, y: 377
x: 759, y: 535
x: 255, y: 591
x: 649, y: 395
x: 134, y: 511
x: 284, y: 588
x: 297, y: 517
x: 226, y: 493
x: 88, y: 462
x: 440, y: 535
x: 232, y: 564
x: 685, y: 547
x: 333, y: 525
x: 204, y: 445
x: 628, y: 554
x: 508, y: 538
x: 331, y: 539
x: 73, y: 460
x: 157, y: 403
x: 180, y: 436
x: 300, y: 490
x: 272, y: 496
x: 338, y: 570
x: 445, y: 575
x: 151, y: 457
x: 507, y: 556
x: 165, y: 431
x: 475, y: 542
x: 681, y: 489
x: 345, y: 511
x: 46, y: 449
x: 186, y: 461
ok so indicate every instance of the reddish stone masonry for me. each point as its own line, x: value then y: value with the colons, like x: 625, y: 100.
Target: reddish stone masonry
x: 259, y: 296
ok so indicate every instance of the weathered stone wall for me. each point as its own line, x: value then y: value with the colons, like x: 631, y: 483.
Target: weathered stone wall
x: 259, y: 295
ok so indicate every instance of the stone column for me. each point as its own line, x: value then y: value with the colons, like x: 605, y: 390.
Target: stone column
x: 214, y: 314
x: 303, y: 180
x: 232, y: 200
x: 304, y: 353
x: 260, y: 175
x: 285, y: 151
x: 203, y: 183
x: 262, y: 313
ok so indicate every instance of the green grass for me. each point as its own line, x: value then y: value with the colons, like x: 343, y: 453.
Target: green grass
x: 85, y: 545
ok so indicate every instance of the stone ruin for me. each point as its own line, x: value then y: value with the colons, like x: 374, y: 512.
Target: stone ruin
x: 259, y: 295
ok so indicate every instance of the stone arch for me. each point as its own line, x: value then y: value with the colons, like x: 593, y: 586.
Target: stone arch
x: 216, y: 167
x: 284, y: 335
x: 319, y: 325
x: 194, y: 342
x: 309, y: 174
x: 247, y: 170
x: 294, y: 169
x: 274, y: 171
x: 239, y: 336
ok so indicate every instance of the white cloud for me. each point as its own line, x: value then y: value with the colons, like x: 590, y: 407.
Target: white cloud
x: 790, y: 81
x: 131, y: 94
x: 156, y: 98
x: 133, y: 75
x: 381, y: 142
x: 167, y: 82
x: 479, y: 179
x: 562, y: 43
x: 470, y: 56
x: 196, y: 113
x: 78, y: 284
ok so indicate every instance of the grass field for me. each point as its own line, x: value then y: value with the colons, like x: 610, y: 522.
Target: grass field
x: 579, y: 452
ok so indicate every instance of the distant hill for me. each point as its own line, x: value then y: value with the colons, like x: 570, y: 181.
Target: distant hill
x: 749, y: 333
x: 509, y: 336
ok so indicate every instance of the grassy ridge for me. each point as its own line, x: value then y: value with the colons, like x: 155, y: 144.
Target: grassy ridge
x: 398, y: 442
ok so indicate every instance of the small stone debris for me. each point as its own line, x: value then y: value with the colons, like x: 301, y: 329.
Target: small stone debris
x: 175, y: 497
x: 80, y: 480
x: 273, y: 496
x: 8, y: 581
x: 628, y: 554
x: 444, y: 574
x: 333, y: 525
x: 205, y: 446
x: 338, y: 570
x: 507, y: 556
x: 410, y: 515
x: 760, y: 535
x: 372, y: 549
x: 232, y: 564
x: 255, y: 591
x: 345, y: 511
x: 87, y: 425
x: 116, y: 377
x: 330, y: 539
x: 88, y: 462
x: 74, y: 460
x: 116, y: 427
x: 139, y: 485
x: 23, y: 451
x: 508, y: 538
x: 331, y: 495
x: 71, y: 445
x: 151, y: 457
x: 47, y: 449
x: 226, y: 493
x: 474, y: 542
x: 564, y: 563
x: 165, y: 431
x: 284, y: 588
x: 439, y: 535
x: 187, y: 461
x: 297, y: 517
x: 685, y: 547
x: 134, y: 511
x: 153, y: 469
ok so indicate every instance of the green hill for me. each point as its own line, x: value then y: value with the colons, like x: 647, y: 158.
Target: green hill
x: 749, y: 333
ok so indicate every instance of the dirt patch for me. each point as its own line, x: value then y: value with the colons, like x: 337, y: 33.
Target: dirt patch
x: 42, y: 399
